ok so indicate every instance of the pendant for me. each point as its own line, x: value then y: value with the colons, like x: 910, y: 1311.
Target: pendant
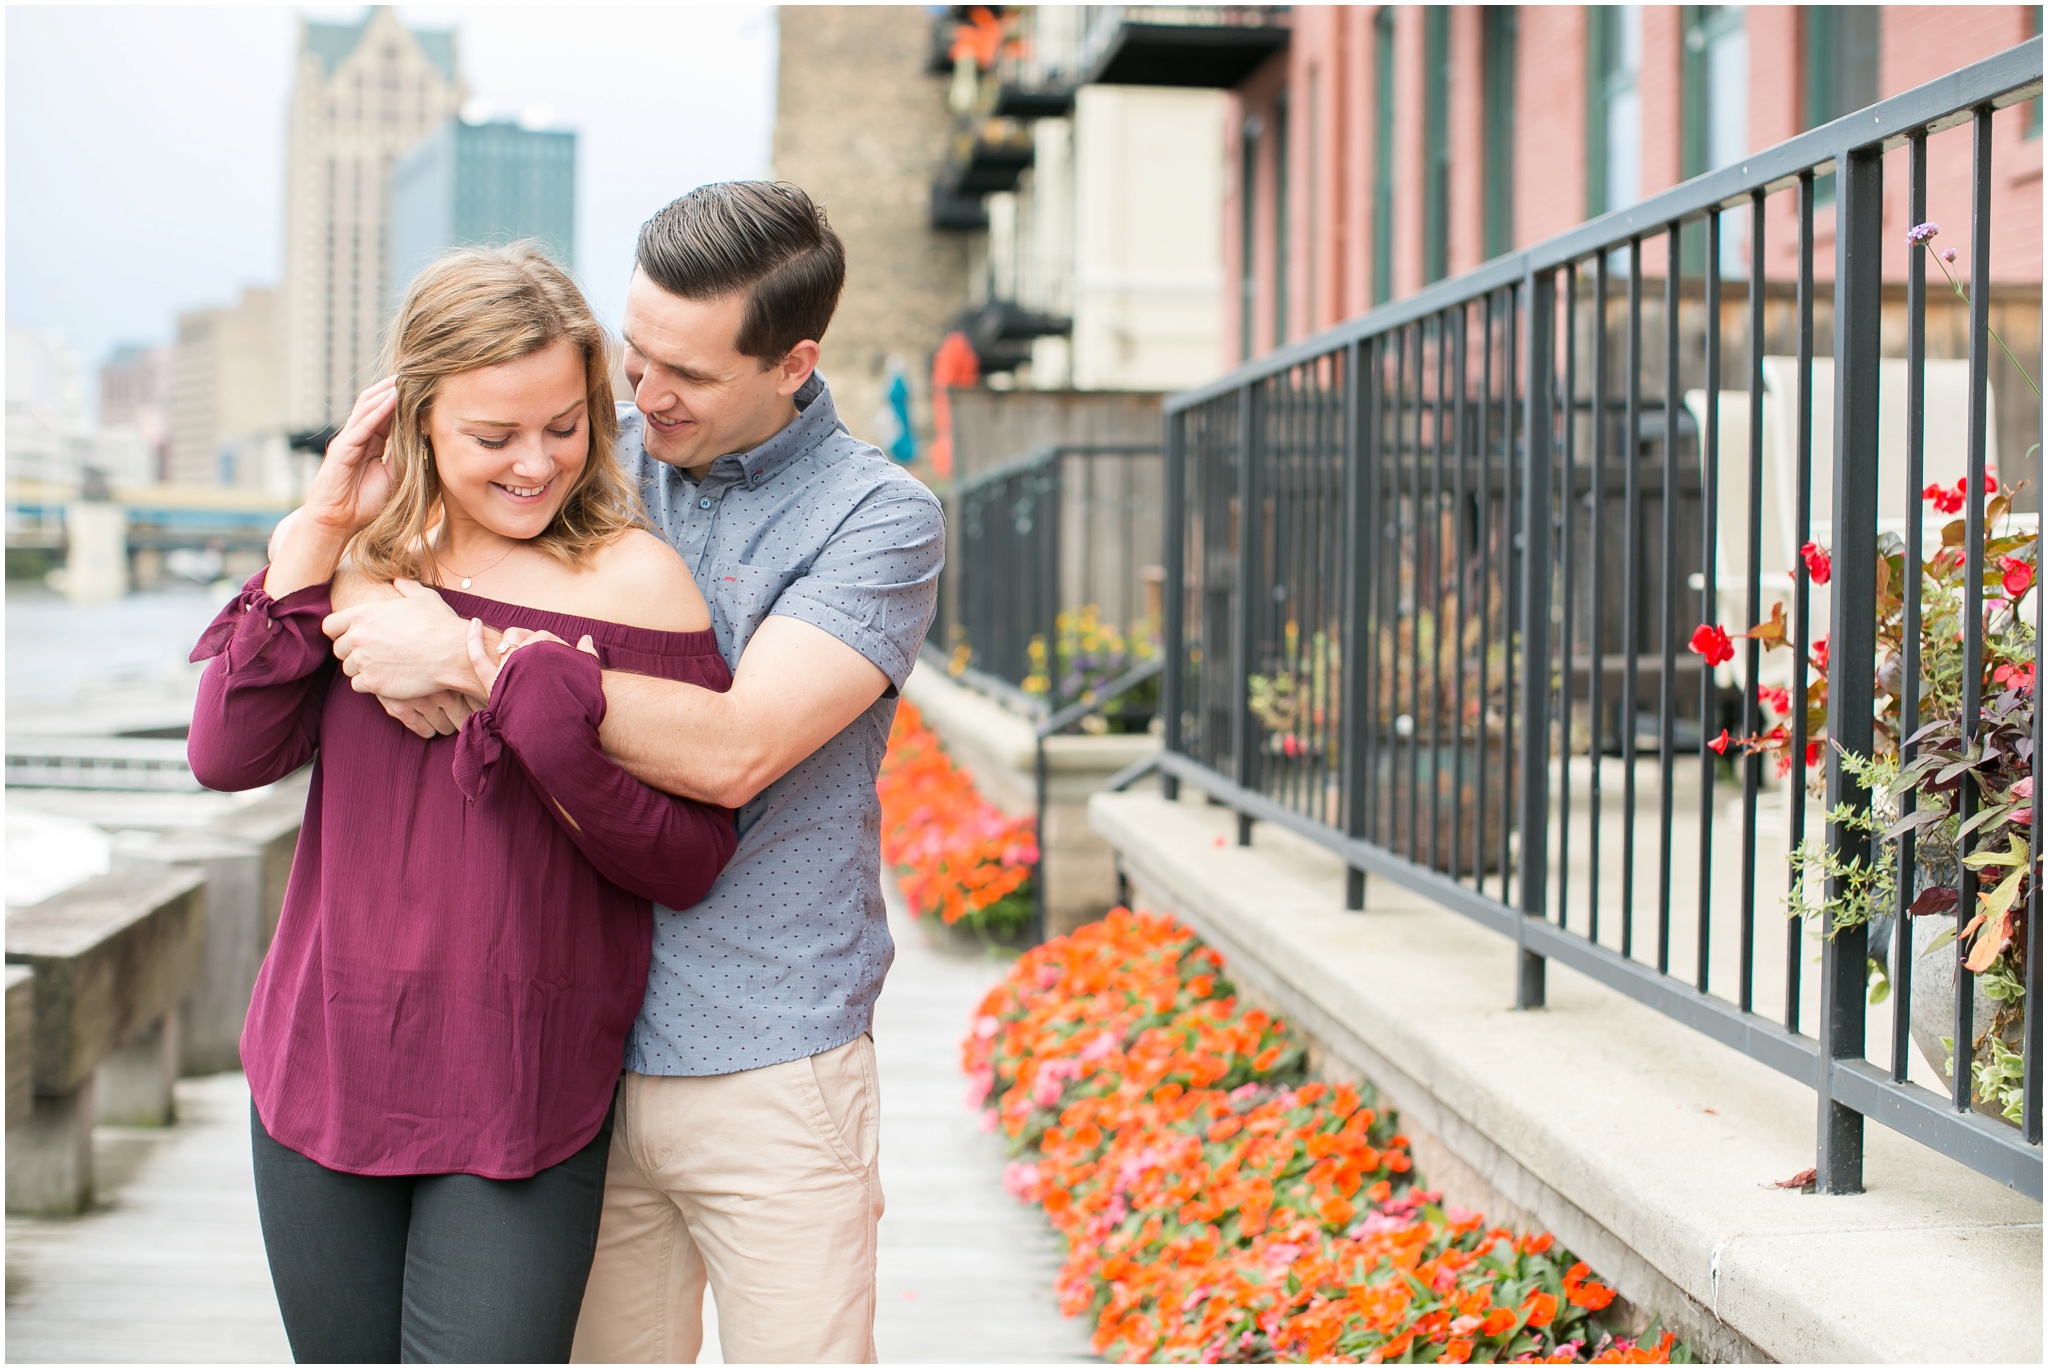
x: 465, y: 584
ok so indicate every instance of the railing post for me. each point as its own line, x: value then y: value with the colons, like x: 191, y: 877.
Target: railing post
x: 1533, y: 816
x: 1173, y: 592
x: 1245, y: 622
x: 1852, y: 645
x: 1358, y: 591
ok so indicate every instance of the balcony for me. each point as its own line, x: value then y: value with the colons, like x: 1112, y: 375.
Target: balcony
x: 987, y: 155
x: 1002, y: 332
x: 1206, y: 47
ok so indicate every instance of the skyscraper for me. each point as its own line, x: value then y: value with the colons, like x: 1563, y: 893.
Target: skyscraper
x: 224, y: 393
x: 469, y: 184
x: 365, y: 95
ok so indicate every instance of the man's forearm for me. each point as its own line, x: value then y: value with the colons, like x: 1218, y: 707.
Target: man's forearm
x: 678, y: 738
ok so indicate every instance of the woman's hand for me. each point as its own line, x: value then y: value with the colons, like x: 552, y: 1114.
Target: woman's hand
x: 488, y: 664
x: 351, y: 486
x: 353, y: 481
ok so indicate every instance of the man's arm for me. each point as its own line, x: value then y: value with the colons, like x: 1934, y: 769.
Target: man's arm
x: 797, y: 687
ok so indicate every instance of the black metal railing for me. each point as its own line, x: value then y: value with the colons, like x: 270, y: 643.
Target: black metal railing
x: 1435, y: 579
x: 1053, y: 578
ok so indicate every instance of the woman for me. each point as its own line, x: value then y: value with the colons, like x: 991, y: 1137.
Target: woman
x: 440, y: 1021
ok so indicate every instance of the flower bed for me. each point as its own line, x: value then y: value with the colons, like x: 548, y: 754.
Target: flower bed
x: 956, y: 855
x: 1220, y: 1207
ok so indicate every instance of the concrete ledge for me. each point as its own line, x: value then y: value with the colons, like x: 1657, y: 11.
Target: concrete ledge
x: 999, y: 749
x: 21, y: 1016
x: 112, y: 955
x: 1647, y: 1148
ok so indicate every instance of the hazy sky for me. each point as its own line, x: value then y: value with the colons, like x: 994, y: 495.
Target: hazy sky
x: 145, y: 145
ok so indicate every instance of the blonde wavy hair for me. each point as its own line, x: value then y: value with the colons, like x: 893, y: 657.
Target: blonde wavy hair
x: 481, y: 307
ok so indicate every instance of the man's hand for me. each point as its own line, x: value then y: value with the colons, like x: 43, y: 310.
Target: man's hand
x: 404, y: 648
x: 435, y: 715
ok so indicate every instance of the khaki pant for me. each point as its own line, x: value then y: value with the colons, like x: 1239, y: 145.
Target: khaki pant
x: 765, y: 1183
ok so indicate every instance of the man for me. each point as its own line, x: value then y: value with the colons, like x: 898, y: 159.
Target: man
x: 744, y: 1148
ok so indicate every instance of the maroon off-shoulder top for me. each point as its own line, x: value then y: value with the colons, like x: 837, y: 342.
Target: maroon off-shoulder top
x: 465, y: 937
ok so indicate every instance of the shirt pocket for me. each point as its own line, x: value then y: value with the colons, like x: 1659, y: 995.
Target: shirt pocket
x: 741, y: 596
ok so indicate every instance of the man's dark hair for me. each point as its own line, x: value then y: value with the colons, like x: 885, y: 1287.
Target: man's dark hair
x: 765, y: 237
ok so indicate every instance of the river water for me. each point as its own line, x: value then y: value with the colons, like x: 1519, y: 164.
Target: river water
x: 63, y: 656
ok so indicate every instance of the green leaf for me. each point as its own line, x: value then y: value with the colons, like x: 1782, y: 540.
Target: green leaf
x: 1948, y: 935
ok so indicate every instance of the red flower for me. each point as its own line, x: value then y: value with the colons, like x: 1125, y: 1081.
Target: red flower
x: 1812, y: 754
x: 1818, y: 564
x: 1719, y: 746
x: 1710, y: 640
x: 1820, y: 655
x: 1779, y: 700
x: 2018, y: 577
x: 1943, y: 498
x: 2020, y: 677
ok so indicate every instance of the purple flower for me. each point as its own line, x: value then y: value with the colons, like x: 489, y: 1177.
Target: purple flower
x: 1949, y: 255
x: 1921, y: 232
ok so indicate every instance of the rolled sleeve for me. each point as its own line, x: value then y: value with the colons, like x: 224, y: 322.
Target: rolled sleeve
x: 875, y: 584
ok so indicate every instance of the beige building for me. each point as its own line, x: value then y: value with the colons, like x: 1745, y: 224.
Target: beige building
x: 226, y: 424
x: 861, y: 123
x: 1115, y: 225
x: 365, y: 95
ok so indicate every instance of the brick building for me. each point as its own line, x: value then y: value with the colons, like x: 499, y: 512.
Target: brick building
x: 1387, y: 147
x: 861, y: 123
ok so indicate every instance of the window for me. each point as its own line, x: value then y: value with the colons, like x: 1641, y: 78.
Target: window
x: 1248, y: 220
x: 1500, y: 129
x: 1614, y: 113
x: 1280, y: 188
x: 1383, y: 156
x: 1841, y: 60
x: 1436, y: 137
x: 1841, y: 69
x: 2032, y: 126
x: 1715, y: 112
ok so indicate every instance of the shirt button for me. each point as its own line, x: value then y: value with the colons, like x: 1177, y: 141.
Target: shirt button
x: 705, y: 502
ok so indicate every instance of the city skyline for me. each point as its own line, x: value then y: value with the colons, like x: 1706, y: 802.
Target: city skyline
x: 146, y: 166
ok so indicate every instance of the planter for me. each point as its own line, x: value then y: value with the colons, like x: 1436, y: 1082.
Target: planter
x: 1934, y: 1002
x: 1934, y: 985
x: 1446, y: 802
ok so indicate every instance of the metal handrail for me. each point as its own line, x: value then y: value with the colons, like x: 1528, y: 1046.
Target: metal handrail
x: 1336, y: 506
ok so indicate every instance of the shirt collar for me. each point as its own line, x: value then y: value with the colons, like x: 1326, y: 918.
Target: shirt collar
x: 816, y: 418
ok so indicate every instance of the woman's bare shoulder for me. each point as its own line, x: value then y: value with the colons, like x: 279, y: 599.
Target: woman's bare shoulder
x: 641, y: 581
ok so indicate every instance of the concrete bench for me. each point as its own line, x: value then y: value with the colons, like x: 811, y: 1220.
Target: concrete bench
x: 21, y: 1017
x: 113, y: 958
x: 246, y: 859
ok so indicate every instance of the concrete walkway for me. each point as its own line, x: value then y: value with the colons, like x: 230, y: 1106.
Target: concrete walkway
x: 169, y: 1266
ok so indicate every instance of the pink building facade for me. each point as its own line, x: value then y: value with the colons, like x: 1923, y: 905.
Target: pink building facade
x: 1390, y: 146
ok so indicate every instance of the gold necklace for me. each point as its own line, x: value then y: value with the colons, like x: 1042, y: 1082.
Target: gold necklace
x: 466, y: 579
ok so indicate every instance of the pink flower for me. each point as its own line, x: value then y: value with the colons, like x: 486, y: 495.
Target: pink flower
x: 986, y: 1026
x: 1020, y: 1181
x: 1948, y: 254
x: 1921, y: 232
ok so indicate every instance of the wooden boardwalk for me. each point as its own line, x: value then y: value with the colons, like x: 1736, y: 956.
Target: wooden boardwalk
x: 169, y: 1266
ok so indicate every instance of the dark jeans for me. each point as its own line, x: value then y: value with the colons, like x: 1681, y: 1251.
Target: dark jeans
x: 428, y: 1268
